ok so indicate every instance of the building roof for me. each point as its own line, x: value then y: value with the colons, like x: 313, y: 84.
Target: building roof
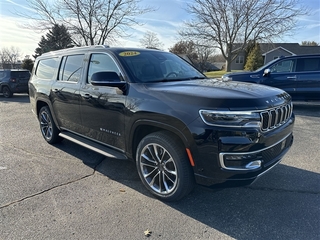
x: 293, y: 48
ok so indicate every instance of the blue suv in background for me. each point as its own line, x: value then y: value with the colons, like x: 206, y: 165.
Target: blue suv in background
x: 14, y: 81
x: 298, y: 75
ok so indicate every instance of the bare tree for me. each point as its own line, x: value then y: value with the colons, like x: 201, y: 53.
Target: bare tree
x: 222, y: 23
x: 185, y: 47
x: 203, y: 52
x: 9, y: 56
x: 150, y: 40
x: 90, y: 22
x: 198, y: 52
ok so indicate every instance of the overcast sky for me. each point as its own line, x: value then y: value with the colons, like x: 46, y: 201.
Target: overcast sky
x: 165, y: 22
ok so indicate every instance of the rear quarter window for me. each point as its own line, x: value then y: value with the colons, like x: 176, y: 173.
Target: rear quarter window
x: 46, y: 68
x: 20, y: 74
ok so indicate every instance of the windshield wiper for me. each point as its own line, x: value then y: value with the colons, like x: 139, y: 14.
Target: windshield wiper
x: 197, y: 77
x: 171, y: 79
x: 179, y: 79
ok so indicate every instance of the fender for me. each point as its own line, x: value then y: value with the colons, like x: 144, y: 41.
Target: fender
x: 153, y: 120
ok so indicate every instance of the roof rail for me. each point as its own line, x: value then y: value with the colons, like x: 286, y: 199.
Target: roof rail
x: 101, y: 46
x: 76, y: 48
x: 92, y: 46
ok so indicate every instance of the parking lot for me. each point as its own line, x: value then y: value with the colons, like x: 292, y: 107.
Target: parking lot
x: 65, y: 191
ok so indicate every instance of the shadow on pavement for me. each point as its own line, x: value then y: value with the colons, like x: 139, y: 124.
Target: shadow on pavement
x: 282, y: 204
x: 20, y: 98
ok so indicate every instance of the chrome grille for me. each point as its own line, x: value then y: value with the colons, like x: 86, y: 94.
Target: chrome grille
x: 275, y: 117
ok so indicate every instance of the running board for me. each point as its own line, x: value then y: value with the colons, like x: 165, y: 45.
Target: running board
x: 104, y: 150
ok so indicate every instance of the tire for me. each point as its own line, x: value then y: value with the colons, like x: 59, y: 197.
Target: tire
x: 7, y: 92
x: 163, y: 166
x: 48, y: 128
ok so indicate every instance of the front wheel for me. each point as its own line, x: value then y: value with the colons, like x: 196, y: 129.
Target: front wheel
x: 48, y: 128
x: 163, y: 166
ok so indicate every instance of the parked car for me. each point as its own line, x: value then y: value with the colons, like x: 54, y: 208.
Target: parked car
x: 298, y: 75
x: 13, y: 81
x: 158, y: 110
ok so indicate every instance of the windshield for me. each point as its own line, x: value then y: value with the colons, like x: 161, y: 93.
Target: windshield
x: 156, y: 66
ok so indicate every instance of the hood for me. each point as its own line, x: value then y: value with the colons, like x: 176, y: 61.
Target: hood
x: 216, y: 94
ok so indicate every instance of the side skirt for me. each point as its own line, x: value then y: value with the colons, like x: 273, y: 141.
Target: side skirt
x: 94, y: 146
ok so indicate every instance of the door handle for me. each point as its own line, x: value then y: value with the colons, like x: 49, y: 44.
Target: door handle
x: 293, y: 77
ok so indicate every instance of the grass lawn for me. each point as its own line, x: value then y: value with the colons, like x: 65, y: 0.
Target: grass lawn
x: 217, y: 74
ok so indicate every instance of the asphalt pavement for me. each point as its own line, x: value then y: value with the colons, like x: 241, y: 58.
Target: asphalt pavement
x: 65, y: 191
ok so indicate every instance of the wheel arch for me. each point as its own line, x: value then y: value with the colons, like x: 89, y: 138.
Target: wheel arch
x: 43, y: 102
x: 143, y: 127
x: 1, y: 86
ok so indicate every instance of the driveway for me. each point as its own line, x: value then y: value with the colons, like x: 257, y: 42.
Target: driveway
x: 68, y: 192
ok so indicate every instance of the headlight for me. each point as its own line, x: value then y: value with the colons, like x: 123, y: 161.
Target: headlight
x: 231, y: 118
x: 226, y: 78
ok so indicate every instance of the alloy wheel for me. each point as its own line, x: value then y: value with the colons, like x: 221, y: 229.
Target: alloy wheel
x: 46, y: 125
x: 158, y: 168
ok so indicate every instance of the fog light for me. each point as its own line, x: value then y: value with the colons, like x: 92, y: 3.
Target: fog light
x: 242, y: 161
x: 254, y: 165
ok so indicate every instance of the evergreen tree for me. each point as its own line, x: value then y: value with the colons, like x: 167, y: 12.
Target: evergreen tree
x: 27, y: 64
x: 309, y: 43
x: 254, y: 59
x: 57, y: 38
x: 250, y: 46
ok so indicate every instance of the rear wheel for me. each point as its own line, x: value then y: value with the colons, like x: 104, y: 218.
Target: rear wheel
x: 163, y: 166
x: 7, y: 92
x: 48, y: 128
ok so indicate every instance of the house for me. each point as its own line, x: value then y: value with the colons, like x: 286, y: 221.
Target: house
x: 272, y: 51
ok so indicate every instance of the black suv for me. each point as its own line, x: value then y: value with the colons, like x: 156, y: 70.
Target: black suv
x: 13, y: 81
x: 155, y: 108
x: 298, y: 75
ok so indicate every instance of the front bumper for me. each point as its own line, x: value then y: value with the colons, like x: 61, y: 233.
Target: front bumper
x: 248, y: 161
x: 226, y: 160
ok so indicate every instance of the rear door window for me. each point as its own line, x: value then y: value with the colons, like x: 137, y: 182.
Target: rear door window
x: 308, y: 64
x: 71, y: 67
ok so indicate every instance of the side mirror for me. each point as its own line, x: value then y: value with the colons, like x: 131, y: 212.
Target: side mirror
x: 110, y: 79
x: 99, y: 77
x: 266, y: 72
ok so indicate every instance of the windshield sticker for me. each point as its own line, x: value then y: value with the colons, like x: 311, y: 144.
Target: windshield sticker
x: 129, y: 54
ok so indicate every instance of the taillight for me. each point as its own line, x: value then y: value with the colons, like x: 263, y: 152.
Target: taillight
x: 13, y: 80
